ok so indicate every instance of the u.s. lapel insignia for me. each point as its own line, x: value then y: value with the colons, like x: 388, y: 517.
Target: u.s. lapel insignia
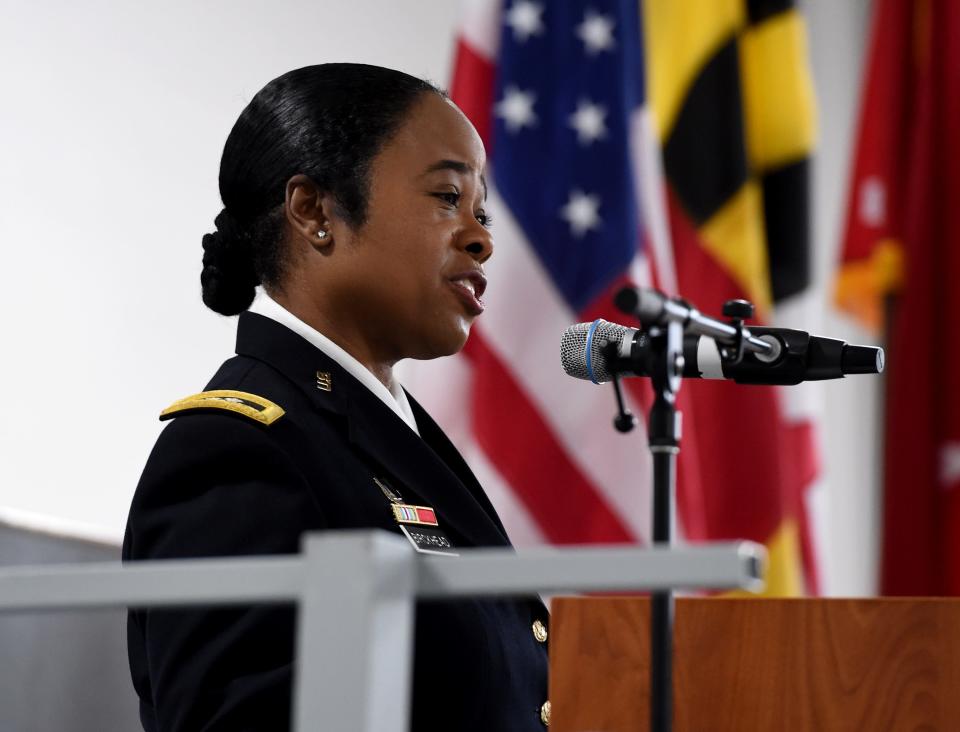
x: 391, y: 495
x: 324, y: 381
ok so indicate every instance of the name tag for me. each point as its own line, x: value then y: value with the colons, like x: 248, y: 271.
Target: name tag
x: 429, y: 540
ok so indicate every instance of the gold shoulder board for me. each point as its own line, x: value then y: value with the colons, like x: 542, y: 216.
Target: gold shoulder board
x: 249, y: 405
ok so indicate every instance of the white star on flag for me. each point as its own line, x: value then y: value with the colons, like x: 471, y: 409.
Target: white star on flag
x: 596, y: 32
x: 516, y: 109
x: 581, y: 212
x: 873, y: 202
x: 524, y: 18
x: 588, y: 122
x: 949, y: 464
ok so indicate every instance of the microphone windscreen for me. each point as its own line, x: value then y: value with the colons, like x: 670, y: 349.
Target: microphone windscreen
x: 581, y: 349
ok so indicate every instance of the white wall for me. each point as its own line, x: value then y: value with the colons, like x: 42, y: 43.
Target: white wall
x: 114, y: 116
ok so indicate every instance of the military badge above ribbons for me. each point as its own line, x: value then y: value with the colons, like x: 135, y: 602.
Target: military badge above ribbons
x: 418, y: 523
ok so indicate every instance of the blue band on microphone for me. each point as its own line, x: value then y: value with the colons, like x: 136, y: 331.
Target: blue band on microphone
x: 593, y: 328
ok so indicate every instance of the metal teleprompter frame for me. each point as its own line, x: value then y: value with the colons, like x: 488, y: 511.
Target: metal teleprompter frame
x: 355, y: 591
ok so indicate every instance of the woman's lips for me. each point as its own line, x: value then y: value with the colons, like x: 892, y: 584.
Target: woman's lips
x: 469, y: 286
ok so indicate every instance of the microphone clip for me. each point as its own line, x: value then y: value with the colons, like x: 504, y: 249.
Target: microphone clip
x: 737, y: 311
x: 625, y: 421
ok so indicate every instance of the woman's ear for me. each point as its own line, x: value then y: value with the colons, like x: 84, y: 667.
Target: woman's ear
x: 308, y: 212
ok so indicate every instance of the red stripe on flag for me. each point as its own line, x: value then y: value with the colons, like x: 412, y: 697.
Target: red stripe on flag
x: 803, y: 467
x: 474, y: 80
x: 565, y: 505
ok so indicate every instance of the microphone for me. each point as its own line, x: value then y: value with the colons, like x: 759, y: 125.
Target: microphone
x: 601, y: 350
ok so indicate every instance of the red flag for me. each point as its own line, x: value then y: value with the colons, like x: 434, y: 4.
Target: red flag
x: 901, y: 240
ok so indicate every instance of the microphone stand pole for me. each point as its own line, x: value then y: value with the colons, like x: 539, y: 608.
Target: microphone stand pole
x: 667, y: 320
x: 665, y: 367
x: 663, y: 435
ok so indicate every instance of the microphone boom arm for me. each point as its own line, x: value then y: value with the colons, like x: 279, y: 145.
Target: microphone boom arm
x: 653, y: 308
x: 760, y: 355
x: 800, y: 357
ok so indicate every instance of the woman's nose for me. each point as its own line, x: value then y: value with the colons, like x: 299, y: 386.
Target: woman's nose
x: 479, y: 242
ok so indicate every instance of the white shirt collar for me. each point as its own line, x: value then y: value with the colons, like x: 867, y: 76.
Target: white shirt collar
x: 395, y: 399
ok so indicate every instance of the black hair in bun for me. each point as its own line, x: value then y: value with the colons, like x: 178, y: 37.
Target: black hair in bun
x: 327, y: 122
x: 229, y: 278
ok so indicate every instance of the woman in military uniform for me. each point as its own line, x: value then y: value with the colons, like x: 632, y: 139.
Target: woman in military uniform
x: 354, y: 198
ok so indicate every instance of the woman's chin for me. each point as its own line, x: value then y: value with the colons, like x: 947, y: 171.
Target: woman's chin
x: 447, y: 342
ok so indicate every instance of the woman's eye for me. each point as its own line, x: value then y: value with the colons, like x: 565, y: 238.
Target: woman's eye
x: 452, y: 198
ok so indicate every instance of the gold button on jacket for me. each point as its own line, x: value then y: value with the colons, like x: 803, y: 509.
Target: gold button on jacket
x: 539, y: 631
x: 545, y: 713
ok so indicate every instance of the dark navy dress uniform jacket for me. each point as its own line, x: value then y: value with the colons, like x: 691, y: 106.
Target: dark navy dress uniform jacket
x: 219, y: 484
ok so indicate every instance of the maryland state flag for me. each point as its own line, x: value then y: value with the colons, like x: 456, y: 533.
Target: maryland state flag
x: 901, y: 257
x: 733, y: 102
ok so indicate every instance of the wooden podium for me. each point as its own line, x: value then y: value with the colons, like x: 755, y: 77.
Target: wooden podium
x: 760, y: 664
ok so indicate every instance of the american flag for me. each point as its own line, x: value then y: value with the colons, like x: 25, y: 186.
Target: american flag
x: 557, y: 90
